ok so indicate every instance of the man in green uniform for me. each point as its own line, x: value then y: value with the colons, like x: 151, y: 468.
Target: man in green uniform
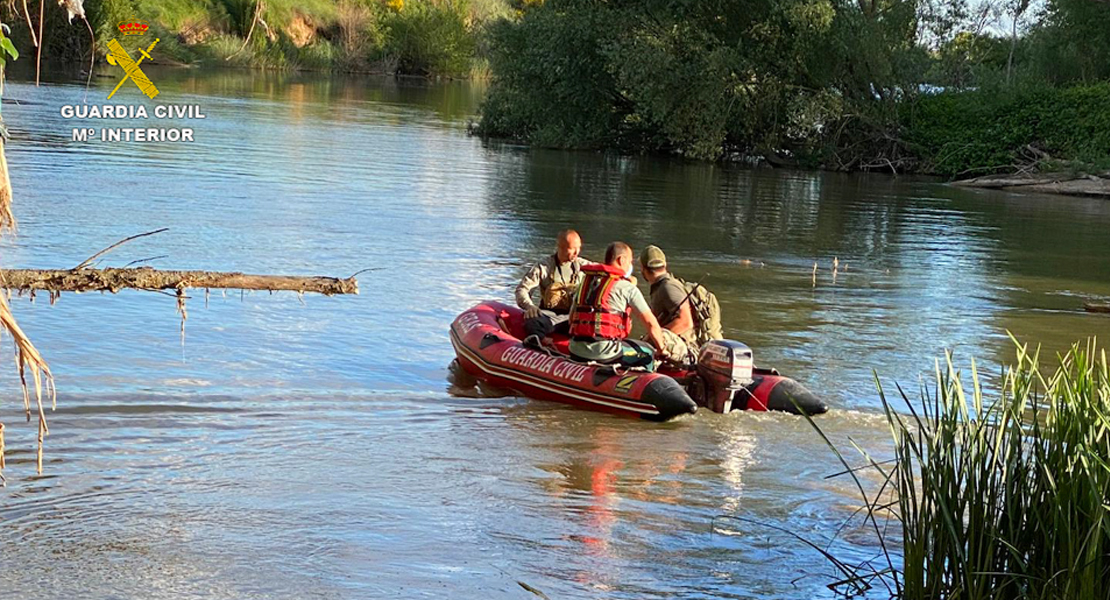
x: 670, y: 303
x: 556, y: 276
x: 600, y: 321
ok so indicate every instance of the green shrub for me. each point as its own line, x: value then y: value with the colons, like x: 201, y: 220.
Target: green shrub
x: 321, y: 55
x: 359, y: 34
x: 431, y: 38
x: 991, y: 130
x: 551, y: 84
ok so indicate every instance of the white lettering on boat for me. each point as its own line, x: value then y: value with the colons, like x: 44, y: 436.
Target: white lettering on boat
x: 542, y: 363
x: 467, y: 322
x: 571, y: 371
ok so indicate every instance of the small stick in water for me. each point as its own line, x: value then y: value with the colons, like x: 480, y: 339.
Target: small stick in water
x: 814, y: 273
x: 533, y: 590
x: 116, y: 245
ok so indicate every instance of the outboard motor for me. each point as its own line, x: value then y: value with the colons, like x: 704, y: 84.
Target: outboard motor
x: 724, y: 367
x: 727, y: 380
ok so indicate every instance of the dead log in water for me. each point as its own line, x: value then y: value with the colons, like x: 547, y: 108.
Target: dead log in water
x: 1097, y: 308
x: 1050, y: 183
x: 147, y: 278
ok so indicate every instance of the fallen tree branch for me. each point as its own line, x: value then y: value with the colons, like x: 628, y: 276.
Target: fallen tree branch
x: 1048, y: 183
x: 1096, y: 308
x: 146, y: 278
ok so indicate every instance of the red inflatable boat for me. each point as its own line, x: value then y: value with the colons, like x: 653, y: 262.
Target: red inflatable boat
x: 487, y: 340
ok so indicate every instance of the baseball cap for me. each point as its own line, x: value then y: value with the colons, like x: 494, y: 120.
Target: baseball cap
x: 653, y: 257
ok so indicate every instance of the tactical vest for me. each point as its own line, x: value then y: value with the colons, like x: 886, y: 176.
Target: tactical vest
x: 559, y: 295
x: 593, y: 316
x: 705, y: 310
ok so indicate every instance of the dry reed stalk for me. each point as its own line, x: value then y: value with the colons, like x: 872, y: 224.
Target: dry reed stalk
x: 30, y: 27
x: 38, y: 48
x: 28, y: 358
x: 7, y: 219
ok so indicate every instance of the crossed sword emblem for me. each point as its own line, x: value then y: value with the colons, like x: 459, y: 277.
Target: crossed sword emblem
x: 117, y: 55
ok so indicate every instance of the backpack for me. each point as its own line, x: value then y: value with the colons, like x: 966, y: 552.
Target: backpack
x: 705, y: 310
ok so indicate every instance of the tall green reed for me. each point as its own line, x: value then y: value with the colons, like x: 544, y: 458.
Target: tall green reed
x: 1003, y: 497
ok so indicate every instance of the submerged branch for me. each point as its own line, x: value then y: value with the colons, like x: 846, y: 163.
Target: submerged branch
x: 146, y: 278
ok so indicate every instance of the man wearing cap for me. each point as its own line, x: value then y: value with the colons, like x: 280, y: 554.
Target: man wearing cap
x: 670, y: 303
x: 556, y: 276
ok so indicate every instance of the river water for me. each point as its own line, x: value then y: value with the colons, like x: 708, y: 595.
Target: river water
x: 312, y: 450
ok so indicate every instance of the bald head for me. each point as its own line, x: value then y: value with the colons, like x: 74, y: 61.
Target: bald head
x: 616, y: 251
x: 568, y: 245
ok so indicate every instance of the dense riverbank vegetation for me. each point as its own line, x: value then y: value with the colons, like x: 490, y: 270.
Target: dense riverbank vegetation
x: 1000, y: 493
x: 417, y: 37
x: 954, y: 87
x: 945, y: 86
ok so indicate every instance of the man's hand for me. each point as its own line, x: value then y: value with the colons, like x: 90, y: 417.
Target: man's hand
x: 532, y: 312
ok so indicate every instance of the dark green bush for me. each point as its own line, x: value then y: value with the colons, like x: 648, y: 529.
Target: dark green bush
x: 698, y: 79
x: 984, y: 131
x: 551, y: 83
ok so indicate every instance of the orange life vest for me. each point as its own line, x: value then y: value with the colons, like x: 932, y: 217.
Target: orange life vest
x: 593, y: 316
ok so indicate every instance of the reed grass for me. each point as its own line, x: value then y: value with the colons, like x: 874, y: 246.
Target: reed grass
x: 27, y: 357
x: 1002, y: 493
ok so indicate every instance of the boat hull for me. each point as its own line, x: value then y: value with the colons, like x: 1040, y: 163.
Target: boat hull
x: 488, y: 348
x: 488, y: 345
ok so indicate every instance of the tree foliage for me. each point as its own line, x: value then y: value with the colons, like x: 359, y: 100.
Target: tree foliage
x: 836, y: 83
x: 695, y: 78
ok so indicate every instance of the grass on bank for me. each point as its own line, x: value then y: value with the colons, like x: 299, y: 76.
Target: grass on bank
x: 1001, y: 497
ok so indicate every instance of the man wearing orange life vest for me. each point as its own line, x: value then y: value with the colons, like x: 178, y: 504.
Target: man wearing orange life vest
x: 601, y: 319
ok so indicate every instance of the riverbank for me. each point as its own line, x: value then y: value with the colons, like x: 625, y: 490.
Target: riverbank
x: 837, y: 87
x: 834, y: 90
x: 429, y: 38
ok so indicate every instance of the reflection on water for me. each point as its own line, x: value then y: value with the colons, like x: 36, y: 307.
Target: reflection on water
x: 290, y: 450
